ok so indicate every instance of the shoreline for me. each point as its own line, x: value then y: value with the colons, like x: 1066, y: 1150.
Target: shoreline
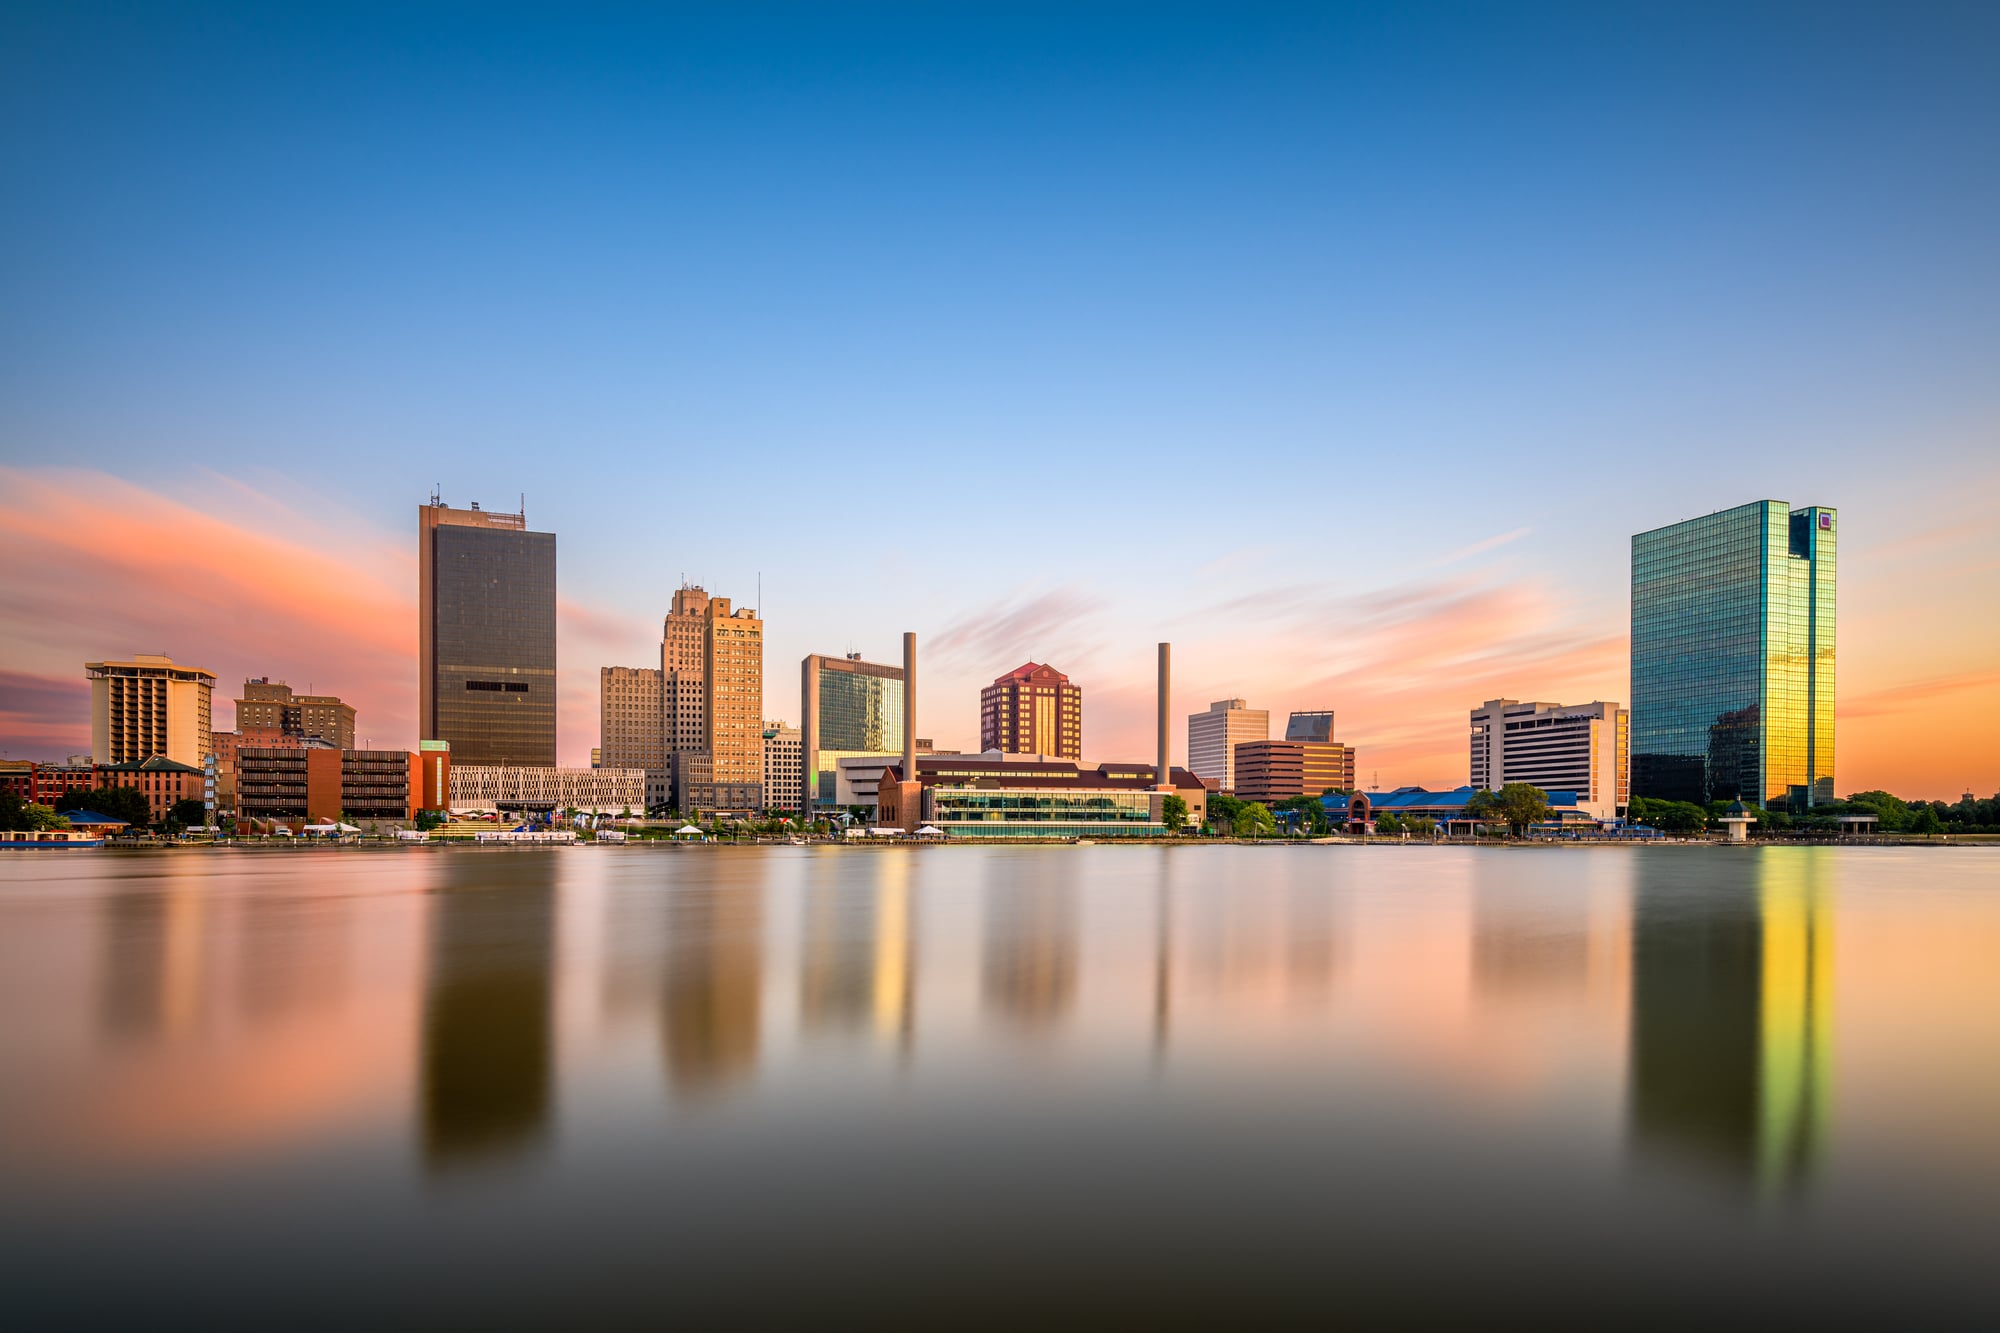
x: 279, y: 846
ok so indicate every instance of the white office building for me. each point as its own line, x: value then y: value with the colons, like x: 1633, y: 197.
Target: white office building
x: 1213, y: 737
x: 1584, y: 748
x: 784, y: 768
x: 600, y: 791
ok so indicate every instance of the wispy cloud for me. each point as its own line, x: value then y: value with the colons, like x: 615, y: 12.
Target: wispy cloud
x: 1001, y: 635
x: 1479, y: 548
x: 1904, y: 697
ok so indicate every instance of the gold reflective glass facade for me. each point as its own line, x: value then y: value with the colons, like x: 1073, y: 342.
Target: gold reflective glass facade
x: 1733, y: 657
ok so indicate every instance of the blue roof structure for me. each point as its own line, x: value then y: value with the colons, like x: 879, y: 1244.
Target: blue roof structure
x: 89, y: 817
x: 1418, y: 800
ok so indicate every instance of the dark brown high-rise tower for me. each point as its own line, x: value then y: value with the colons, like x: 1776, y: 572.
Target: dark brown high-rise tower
x: 486, y: 633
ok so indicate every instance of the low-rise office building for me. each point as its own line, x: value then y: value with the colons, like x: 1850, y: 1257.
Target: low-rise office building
x: 227, y: 745
x: 319, y: 783
x: 598, y: 791
x: 1279, y: 770
x: 1584, y: 748
x: 996, y: 795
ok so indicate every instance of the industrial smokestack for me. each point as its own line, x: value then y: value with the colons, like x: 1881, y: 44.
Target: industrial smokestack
x: 909, y: 707
x: 1164, y: 775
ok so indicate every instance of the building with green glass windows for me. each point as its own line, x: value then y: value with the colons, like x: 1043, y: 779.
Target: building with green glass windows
x: 1733, y: 657
x: 848, y: 708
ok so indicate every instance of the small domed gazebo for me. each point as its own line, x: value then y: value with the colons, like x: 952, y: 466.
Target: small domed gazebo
x: 1737, y: 819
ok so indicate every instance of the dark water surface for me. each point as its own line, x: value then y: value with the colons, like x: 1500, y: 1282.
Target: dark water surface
x: 1056, y: 1085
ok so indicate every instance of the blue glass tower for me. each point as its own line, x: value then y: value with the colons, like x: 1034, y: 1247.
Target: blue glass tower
x: 1733, y: 657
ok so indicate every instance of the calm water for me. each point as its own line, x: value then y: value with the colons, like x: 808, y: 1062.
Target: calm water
x: 630, y: 1083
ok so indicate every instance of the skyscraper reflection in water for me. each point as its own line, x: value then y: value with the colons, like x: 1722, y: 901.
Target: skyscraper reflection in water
x: 1029, y: 970
x: 1731, y: 1014
x: 713, y: 992
x: 488, y: 1045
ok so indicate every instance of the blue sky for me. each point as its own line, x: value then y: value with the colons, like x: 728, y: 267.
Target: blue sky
x: 1105, y: 324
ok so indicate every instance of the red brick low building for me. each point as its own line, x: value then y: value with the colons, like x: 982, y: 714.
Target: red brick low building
x: 164, y: 782
x: 46, y: 784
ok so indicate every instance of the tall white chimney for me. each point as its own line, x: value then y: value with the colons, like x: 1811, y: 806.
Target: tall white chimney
x: 1164, y: 775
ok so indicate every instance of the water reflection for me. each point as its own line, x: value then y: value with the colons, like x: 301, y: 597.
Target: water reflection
x: 1228, y: 953
x: 131, y: 1004
x: 714, y: 985
x: 1731, y: 1002
x: 1030, y: 962
x: 488, y: 1044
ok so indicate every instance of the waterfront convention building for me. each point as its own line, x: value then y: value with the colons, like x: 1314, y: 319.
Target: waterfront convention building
x: 997, y: 795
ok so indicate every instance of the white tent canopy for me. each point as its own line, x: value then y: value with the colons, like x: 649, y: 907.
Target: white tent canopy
x: 687, y: 828
x: 930, y: 831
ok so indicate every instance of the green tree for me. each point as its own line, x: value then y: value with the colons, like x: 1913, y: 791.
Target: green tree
x: 1522, y: 804
x: 11, y: 820
x: 1174, y: 813
x: 1893, y: 812
x: 188, y: 813
x: 1222, y: 807
x: 126, y: 803
x: 1389, y: 823
x: 1311, y: 810
x: 1668, y: 816
x: 1926, y: 821
x: 427, y: 820
x: 1254, y: 820
x: 40, y: 819
x: 1423, y: 826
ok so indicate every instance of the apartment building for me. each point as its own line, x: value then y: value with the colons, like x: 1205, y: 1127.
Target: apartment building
x: 150, y: 705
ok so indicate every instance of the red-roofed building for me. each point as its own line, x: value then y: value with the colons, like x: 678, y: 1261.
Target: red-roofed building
x: 1033, y: 709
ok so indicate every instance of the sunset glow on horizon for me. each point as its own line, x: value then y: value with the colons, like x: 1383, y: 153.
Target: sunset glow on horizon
x: 1344, y: 350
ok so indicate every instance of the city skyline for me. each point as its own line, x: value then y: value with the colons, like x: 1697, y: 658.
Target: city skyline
x: 1429, y: 752
x: 1172, y: 271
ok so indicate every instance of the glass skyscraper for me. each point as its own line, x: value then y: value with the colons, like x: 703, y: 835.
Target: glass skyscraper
x: 849, y: 707
x: 486, y: 609
x: 1732, y: 657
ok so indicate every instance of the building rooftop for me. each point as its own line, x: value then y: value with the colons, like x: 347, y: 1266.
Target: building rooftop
x: 1029, y: 671
x: 1003, y: 771
x: 159, y: 763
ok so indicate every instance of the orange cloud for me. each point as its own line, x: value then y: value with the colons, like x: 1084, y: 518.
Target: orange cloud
x: 236, y: 582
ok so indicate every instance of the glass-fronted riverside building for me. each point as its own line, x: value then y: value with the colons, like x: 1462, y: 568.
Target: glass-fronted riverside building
x: 847, y: 708
x: 1733, y: 657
